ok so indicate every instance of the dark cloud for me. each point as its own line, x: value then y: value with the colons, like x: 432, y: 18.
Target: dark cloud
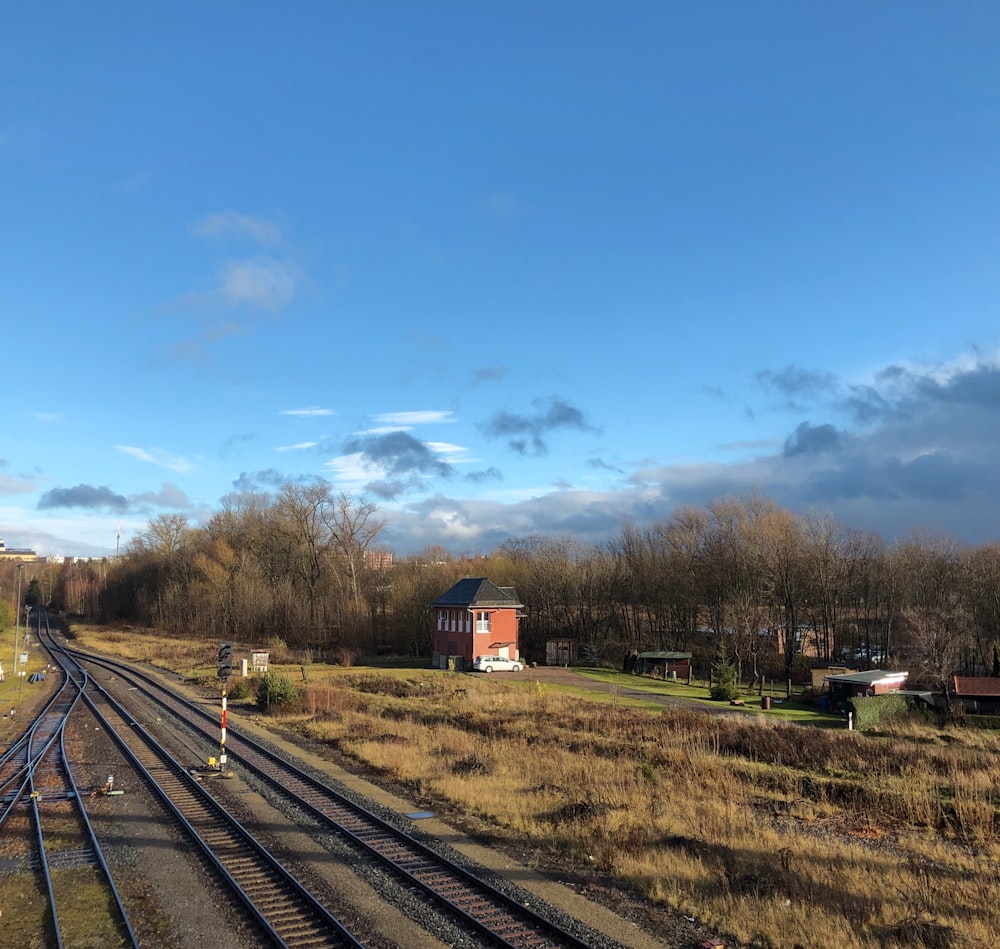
x: 399, y: 453
x: 391, y: 489
x: 525, y: 433
x: 602, y: 465
x: 489, y: 374
x: 169, y: 496
x: 794, y: 381
x: 809, y: 439
x: 260, y: 480
x: 235, y: 442
x: 916, y: 452
x: 85, y: 496
x: 866, y: 405
x: 979, y: 385
x: 484, y: 476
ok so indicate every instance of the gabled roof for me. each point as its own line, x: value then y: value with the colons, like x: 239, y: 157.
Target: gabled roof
x: 867, y: 678
x: 982, y: 686
x: 479, y: 592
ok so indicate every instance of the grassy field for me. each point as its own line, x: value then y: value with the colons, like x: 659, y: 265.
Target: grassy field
x: 19, y: 694
x: 779, y: 834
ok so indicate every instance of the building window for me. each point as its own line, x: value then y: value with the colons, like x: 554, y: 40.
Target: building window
x: 482, y: 622
x: 453, y: 621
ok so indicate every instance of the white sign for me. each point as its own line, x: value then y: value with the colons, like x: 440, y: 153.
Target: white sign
x: 259, y: 661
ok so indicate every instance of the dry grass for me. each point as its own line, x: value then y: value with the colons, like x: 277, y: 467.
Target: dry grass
x: 779, y: 835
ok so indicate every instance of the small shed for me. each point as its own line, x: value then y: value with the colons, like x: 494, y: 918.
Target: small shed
x: 853, y: 684
x: 977, y: 695
x: 560, y: 652
x: 665, y: 665
x: 819, y: 675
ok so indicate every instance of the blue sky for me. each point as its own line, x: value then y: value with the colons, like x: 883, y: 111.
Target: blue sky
x: 505, y: 269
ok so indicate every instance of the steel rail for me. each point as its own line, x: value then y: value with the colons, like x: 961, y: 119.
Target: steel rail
x: 34, y: 762
x: 293, y: 916
x: 17, y: 762
x: 501, y: 918
x: 49, y: 759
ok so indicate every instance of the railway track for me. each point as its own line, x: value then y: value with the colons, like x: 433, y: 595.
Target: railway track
x: 282, y: 911
x: 491, y: 915
x: 283, y: 908
x: 60, y: 847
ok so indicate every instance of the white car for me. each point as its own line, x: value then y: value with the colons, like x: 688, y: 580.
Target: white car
x: 496, y: 664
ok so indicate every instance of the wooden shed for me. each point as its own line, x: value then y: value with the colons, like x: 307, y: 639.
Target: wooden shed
x: 560, y: 652
x: 977, y: 695
x: 852, y: 684
x: 664, y: 665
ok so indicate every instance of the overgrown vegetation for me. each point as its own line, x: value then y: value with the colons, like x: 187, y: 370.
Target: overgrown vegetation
x: 239, y: 690
x: 777, y: 834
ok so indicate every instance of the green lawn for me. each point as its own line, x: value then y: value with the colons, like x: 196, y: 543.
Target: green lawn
x: 782, y: 708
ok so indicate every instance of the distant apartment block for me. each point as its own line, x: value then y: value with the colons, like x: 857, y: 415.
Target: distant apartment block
x: 16, y: 553
x: 378, y: 559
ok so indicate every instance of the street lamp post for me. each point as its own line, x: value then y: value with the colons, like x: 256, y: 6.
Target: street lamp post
x: 17, y: 618
x: 24, y: 655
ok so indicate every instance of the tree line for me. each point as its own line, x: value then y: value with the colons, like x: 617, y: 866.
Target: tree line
x: 305, y: 565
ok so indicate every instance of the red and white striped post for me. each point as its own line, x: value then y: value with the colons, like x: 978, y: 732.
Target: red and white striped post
x: 222, y: 739
x: 225, y: 668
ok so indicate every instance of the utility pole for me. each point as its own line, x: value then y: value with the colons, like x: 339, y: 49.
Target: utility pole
x: 17, y: 617
x: 24, y: 655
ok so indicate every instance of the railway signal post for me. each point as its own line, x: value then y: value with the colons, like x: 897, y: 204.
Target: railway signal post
x: 225, y: 669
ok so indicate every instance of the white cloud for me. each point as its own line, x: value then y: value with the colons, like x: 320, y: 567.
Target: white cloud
x: 447, y: 448
x: 9, y: 485
x: 264, y: 282
x: 301, y: 446
x: 427, y: 417
x: 234, y: 224
x: 383, y: 430
x: 310, y: 412
x: 353, y: 469
x: 156, y: 456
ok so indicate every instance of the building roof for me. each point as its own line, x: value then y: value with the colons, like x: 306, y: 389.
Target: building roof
x: 867, y: 678
x: 664, y: 655
x: 480, y: 593
x: 981, y: 686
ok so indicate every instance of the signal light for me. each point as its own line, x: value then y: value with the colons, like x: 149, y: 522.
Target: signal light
x: 225, y: 663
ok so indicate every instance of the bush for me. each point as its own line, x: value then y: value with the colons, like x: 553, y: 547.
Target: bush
x: 240, y: 689
x: 275, y: 692
x: 875, y: 711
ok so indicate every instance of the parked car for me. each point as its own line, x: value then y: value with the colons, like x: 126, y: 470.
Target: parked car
x: 496, y: 664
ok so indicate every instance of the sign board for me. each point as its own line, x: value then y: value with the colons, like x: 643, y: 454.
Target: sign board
x: 259, y: 661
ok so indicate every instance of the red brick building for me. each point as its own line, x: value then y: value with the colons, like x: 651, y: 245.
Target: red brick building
x: 475, y: 618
